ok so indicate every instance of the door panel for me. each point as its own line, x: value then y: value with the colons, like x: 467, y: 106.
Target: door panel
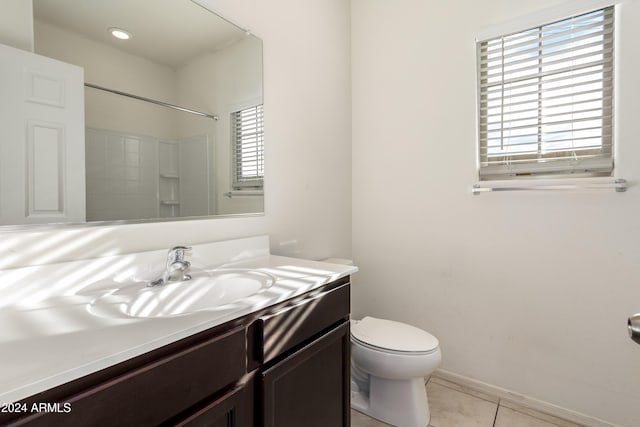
x: 42, y: 173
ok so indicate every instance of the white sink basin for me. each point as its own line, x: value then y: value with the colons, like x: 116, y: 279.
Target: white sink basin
x: 207, y: 290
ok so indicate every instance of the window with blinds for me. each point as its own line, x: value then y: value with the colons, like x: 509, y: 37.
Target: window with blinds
x: 546, y: 99
x: 248, y: 147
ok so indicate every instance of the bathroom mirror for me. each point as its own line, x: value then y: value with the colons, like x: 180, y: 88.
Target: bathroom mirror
x: 146, y: 161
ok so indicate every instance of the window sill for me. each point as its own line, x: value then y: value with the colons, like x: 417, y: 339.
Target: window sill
x: 244, y: 193
x: 619, y: 185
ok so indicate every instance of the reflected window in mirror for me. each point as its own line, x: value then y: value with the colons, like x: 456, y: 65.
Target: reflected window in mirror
x: 247, y: 132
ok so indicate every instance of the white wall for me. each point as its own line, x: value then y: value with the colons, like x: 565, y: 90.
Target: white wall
x: 244, y: 55
x: 16, y: 29
x: 308, y: 154
x: 526, y: 291
x: 222, y: 82
x: 113, y: 68
x: 307, y: 101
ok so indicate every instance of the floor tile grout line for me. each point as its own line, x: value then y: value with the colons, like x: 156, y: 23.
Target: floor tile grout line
x: 537, y: 418
x: 495, y: 417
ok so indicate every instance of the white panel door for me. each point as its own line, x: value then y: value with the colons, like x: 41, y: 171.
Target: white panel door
x: 42, y: 172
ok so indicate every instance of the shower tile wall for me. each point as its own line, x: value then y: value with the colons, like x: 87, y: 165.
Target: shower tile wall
x: 121, y: 176
x: 136, y: 176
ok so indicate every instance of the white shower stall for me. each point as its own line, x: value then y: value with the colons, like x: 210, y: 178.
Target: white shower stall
x: 132, y: 176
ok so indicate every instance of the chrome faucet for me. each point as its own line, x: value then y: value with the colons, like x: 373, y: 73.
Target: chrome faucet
x: 633, y: 324
x: 177, y: 268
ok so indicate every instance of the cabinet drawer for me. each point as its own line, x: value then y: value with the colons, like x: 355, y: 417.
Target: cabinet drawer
x: 153, y: 393
x: 286, y: 328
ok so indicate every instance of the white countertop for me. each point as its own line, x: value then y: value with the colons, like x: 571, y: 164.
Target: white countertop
x: 52, y: 339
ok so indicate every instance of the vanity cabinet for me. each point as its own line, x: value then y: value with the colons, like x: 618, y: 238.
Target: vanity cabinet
x: 283, y: 366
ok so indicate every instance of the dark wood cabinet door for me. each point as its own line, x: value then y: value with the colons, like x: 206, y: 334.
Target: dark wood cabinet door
x: 311, y: 386
x: 233, y: 409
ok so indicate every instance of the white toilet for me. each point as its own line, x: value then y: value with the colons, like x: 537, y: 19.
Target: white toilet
x: 389, y: 361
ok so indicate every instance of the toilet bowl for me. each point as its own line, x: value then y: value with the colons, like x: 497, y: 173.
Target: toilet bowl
x: 389, y: 361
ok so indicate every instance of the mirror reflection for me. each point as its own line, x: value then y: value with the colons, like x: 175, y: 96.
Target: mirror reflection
x: 145, y: 160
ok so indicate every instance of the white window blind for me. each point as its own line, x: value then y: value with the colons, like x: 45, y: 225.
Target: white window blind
x: 248, y: 154
x: 546, y: 99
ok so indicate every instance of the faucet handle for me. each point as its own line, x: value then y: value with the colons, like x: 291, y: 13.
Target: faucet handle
x: 177, y: 253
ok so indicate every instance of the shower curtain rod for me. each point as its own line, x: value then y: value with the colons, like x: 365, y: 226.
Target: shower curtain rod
x: 153, y: 101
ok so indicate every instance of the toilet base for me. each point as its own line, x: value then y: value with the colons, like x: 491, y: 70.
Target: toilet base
x: 402, y: 403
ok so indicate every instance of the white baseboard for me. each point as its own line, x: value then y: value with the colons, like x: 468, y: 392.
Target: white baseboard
x: 522, y: 399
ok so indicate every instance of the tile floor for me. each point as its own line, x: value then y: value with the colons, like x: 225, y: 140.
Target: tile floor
x: 453, y: 405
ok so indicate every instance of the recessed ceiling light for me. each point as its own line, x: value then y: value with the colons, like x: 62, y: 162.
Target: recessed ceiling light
x: 119, y: 33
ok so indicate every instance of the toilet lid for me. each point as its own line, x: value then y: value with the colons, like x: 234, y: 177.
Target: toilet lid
x: 391, y: 335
